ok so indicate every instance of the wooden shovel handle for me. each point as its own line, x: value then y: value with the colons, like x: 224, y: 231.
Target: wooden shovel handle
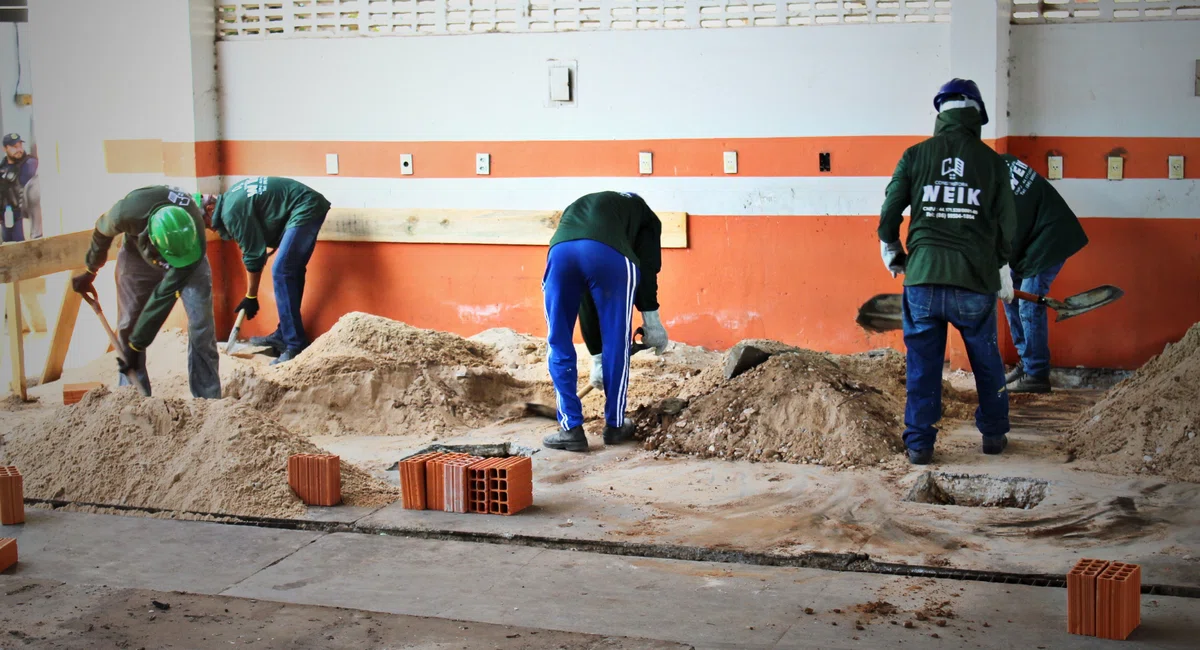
x: 1029, y: 297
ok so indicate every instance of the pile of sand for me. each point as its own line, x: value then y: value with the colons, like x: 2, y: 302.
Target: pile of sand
x: 210, y: 456
x: 1150, y: 422
x: 802, y: 406
x: 522, y: 355
x: 370, y: 375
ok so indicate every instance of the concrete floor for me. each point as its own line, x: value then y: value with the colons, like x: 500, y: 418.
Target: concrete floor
x: 706, y: 605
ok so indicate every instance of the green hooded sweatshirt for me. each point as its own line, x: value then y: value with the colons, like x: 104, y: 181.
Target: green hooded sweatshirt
x: 256, y: 211
x: 624, y: 222
x: 1048, y: 232
x: 963, y: 215
x: 131, y: 217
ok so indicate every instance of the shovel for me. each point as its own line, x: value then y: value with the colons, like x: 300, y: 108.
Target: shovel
x: 112, y: 338
x: 543, y: 411
x: 885, y: 312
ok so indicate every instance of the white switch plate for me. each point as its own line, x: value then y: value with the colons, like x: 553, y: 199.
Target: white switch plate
x: 483, y: 164
x: 406, y: 167
x: 560, y: 84
x: 645, y: 162
x: 1054, y: 168
x: 1116, y: 168
x: 331, y: 163
x: 730, y: 162
x: 1175, y: 168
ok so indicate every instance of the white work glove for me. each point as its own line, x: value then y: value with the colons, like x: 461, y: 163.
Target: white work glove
x: 596, y: 379
x: 893, y: 256
x: 655, y: 335
x: 1005, y: 293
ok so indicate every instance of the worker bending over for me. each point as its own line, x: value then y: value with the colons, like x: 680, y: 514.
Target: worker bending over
x: 284, y: 215
x: 607, y: 248
x: 163, y: 258
x: 959, y: 240
x: 1047, y: 233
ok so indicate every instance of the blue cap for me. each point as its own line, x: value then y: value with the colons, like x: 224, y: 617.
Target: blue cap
x: 11, y: 139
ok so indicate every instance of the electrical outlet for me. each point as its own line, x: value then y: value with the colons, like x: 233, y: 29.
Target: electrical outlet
x: 1054, y: 168
x: 406, y: 167
x: 730, y: 162
x: 645, y: 162
x: 1175, y: 168
x: 331, y: 164
x: 483, y: 164
x: 1116, y: 168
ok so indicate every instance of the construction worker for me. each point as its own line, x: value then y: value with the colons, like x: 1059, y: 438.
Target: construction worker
x: 163, y: 258
x: 959, y: 240
x: 284, y: 215
x: 1047, y: 233
x: 607, y: 247
x: 20, y: 196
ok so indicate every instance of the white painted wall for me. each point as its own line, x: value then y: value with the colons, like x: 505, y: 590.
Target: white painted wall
x: 15, y: 119
x: 762, y: 82
x: 1127, y: 79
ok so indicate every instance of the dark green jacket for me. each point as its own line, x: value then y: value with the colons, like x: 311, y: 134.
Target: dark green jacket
x: 1048, y: 232
x: 626, y: 223
x: 256, y: 211
x: 963, y: 215
x: 131, y: 217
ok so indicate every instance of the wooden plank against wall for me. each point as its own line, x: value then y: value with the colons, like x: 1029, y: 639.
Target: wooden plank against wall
x: 68, y: 313
x: 30, y: 259
x: 437, y: 226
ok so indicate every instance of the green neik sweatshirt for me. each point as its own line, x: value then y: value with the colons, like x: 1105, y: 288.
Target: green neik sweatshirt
x: 256, y: 211
x: 1048, y: 232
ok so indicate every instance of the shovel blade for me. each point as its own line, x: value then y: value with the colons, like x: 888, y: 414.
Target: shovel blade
x: 1082, y: 303
x: 883, y: 313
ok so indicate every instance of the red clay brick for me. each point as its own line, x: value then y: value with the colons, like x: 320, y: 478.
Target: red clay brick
x: 477, y: 490
x: 316, y: 478
x: 72, y: 393
x: 412, y: 479
x: 510, y: 485
x: 8, y: 553
x: 1081, y: 596
x: 12, y: 496
x: 1118, y: 601
x: 435, y: 479
x: 455, y: 483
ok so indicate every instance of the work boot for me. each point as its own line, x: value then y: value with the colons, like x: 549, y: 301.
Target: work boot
x: 273, y: 340
x: 287, y: 355
x: 573, y: 439
x: 1016, y: 373
x: 617, y: 435
x: 994, y: 446
x: 1030, y: 384
x: 920, y: 456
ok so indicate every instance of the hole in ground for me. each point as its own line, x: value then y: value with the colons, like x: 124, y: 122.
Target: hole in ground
x: 977, y: 491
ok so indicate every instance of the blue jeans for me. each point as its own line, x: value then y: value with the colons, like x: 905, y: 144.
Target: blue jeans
x: 291, y: 265
x: 1028, y: 323
x: 572, y: 268
x: 928, y: 309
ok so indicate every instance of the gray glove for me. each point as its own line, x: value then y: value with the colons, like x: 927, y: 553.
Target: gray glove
x: 1006, y: 293
x: 894, y: 257
x: 596, y: 378
x: 655, y: 334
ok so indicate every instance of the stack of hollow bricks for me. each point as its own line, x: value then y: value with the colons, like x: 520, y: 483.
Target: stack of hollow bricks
x: 464, y: 483
x: 316, y: 478
x: 12, y: 511
x: 1104, y: 599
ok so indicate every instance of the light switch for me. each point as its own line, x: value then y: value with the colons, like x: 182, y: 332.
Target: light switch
x: 560, y: 84
x: 730, y: 162
x: 331, y: 163
x: 1054, y: 168
x: 483, y: 164
x: 1116, y: 168
x: 406, y: 167
x: 1175, y: 168
x: 645, y: 162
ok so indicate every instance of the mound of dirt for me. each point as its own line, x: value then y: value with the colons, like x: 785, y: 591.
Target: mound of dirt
x: 370, y: 375
x: 796, y: 407
x: 1150, y: 422
x: 209, y: 456
x: 522, y: 355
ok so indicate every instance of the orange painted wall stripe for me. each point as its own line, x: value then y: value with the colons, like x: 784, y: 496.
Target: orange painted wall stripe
x: 766, y: 157
x: 796, y: 279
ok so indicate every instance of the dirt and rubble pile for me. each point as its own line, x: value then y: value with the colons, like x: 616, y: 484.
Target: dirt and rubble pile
x: 802, y: 406
x: 209, y: 456
x: 1150, y: 422
x: 370, y: 375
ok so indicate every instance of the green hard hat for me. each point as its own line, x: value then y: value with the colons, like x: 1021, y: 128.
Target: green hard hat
x: 173, y: 233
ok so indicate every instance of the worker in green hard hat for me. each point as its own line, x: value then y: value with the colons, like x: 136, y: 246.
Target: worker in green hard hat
x: 162, y: 258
